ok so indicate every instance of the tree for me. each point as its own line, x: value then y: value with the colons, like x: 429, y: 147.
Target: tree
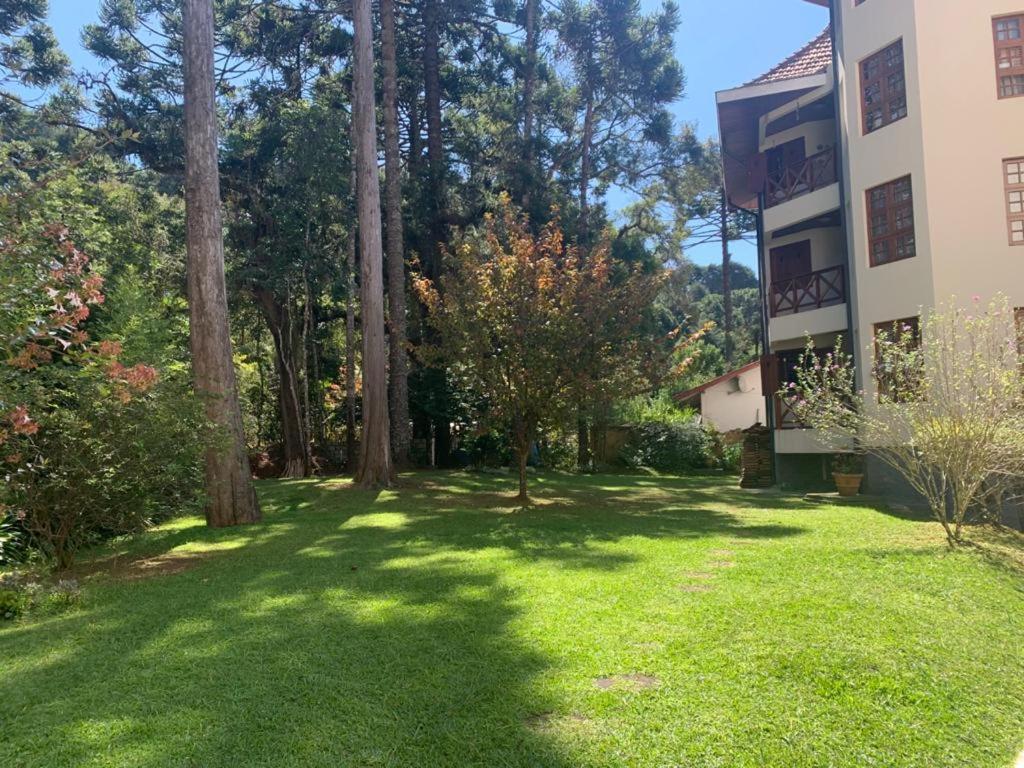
x: 29, y: 53
x: 231, y: 498
x: 950, y: 411
x: 398, y: 381
x: 375, y: 469
x: 510, y: 314
x: 711, y: 219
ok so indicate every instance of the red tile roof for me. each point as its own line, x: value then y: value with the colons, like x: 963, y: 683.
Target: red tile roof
x: 813, y: 59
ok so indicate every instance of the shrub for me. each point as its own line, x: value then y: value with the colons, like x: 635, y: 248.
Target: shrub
x: 13, y: 540
x: 100, y: 467
x: 12, y: 603
x: 949, y: 412
x: 95, y: 442
x: 19, y: 595
x: 671, y: 447
x: 660, y: 408
x: 731, y: 458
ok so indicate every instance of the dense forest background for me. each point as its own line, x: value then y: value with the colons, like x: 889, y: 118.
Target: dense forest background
x: 555, y: 105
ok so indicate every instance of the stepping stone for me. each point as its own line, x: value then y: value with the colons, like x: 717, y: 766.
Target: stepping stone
x: 695, y: 587
x: 721, y: 564
x: 633, y: 682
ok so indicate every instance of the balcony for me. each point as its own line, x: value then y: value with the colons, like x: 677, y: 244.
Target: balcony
x: 816, y: 290
x: 809, y: 305
x: 801, y: 191
x: 801, y: 178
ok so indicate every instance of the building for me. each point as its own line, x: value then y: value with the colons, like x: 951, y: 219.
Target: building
x: 731, y: 402
x: 885, y: 162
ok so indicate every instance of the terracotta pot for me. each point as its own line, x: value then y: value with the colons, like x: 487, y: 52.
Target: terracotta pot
x: 847, y: 485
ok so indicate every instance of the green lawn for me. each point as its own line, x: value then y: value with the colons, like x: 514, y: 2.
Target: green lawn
x: 622, y: 621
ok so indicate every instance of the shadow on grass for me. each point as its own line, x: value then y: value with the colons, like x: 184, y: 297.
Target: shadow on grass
x: 350, y: 628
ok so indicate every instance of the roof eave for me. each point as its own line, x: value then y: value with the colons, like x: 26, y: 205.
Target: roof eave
x: 770, y: 89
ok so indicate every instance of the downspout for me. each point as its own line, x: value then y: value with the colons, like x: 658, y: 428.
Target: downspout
x: 842, y: 173
x: 769, y: 411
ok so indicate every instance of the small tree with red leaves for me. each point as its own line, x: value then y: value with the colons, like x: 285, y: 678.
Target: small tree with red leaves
x: 531, y: 325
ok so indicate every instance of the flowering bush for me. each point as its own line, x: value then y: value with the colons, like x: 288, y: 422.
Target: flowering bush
x: 949, y: 413
x: 90, y: 444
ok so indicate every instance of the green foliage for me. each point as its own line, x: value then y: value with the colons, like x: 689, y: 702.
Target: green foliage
x: 13, y: 540
x: 21, y: 594
x: 674, y: 447
x: 657, y: 408
x: 99, y: 437
x: 12, y: 603
x: 708, y: 279
x: 730, y: 458
x: 29, y: 53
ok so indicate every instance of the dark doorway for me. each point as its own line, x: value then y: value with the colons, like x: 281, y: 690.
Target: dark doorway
x: 788, y: 155
x: 789, y: 261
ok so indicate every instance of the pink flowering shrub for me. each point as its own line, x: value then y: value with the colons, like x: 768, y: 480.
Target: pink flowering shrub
x: 91, y: 444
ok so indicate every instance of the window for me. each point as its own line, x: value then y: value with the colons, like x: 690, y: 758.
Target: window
x: 1007, y: 33
x: 883, y: 88
x: 891, y: 222
x: 898, y: 366
x: 1018, y: 316
x: 1013, y: 178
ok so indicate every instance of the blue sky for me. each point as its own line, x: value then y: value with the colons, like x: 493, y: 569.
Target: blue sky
x: 720, y: 43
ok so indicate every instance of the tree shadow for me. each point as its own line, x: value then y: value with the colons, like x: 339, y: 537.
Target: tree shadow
x: 350, y: 628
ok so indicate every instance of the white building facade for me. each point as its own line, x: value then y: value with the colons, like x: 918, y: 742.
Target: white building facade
x: 885, y: 163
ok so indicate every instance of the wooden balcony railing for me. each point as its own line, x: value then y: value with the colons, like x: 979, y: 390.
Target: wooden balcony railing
x: 784, y: 416
x: 823, y: 288
x: 801, y: 178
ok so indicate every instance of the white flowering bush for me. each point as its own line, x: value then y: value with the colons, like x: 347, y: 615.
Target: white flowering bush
x: 949, y: 411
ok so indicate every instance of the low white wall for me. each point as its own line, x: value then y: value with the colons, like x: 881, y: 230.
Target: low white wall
x: 727, y: 407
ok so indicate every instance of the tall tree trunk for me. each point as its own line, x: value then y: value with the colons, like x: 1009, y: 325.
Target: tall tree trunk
x: 351, y: 460
x: 521, y: 440
x: 398, y: 381
x: 375, y: 468
x: 585, y: 166
x: 726, y: 281
x: 436, y: 191
x: 286, y: 356
x: 231, y: 498
x: 584, y: 456
x: 435, y: 141
x: 529, y: 86
x: 415, y: 139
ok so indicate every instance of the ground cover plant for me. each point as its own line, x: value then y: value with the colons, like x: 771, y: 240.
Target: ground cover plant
x: 621, y: 620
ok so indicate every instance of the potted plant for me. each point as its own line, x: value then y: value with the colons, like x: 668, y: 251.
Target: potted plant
x: 848, y: 472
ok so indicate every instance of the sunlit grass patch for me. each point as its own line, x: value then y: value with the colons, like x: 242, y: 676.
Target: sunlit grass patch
x: 620, y: 620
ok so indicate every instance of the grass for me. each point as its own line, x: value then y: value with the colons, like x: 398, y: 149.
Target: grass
x: 621, y: 621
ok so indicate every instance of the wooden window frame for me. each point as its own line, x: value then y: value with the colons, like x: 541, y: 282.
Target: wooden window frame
x: 878, y: 73
x: 1009, y: 55
x: 896, y: 210
x: 1013, y: 195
